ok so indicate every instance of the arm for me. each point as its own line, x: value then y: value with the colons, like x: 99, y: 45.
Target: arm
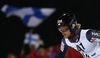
x: 93, y: 35
x: 63, y: 50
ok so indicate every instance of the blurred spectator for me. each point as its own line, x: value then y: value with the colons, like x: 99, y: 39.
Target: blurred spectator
x: 32, y: 42
x: 33, y: 39
x: 51, y: 53
x: 10, y: 55
x: 56, y: 48
x: 40, y: 53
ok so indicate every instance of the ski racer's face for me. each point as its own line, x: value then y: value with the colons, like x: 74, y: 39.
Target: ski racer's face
x: 65, y: 31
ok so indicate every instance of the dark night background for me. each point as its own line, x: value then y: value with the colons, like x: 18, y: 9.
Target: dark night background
x: 12, y: 30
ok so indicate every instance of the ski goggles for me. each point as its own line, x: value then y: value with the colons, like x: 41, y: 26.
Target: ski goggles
x: 63, y: 28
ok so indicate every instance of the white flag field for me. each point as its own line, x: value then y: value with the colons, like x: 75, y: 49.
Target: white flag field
x: 30, y: 16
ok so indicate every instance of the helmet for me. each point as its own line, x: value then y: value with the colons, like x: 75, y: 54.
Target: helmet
x: 69, y: 20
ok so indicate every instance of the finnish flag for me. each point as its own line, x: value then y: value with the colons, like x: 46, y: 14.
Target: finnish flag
x: 30, y: 16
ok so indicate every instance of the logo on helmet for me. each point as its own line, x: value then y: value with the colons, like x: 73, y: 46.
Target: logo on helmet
x: 59, y: 22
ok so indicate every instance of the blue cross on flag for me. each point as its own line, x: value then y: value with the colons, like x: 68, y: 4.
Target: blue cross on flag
x: 30, y: 16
